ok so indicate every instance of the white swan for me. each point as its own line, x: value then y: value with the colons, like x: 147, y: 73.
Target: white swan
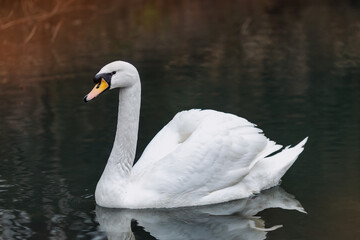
x: 200, y: 157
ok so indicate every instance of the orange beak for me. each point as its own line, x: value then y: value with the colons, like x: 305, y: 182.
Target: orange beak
x: 99, y: 88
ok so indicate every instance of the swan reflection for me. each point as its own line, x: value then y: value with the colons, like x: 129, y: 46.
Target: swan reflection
x: 232, y: 220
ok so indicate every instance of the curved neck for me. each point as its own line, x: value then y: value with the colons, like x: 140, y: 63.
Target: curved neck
x: 112, y: 185
x: 123, y: 151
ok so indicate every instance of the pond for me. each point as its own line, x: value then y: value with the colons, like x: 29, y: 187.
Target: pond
x: 291, y: 67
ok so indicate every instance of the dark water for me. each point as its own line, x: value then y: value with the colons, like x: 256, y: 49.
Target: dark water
x: 292, y: 67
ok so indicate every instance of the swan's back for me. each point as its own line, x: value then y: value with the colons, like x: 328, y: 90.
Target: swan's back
x: 204, y: 157
x: 176, y: 133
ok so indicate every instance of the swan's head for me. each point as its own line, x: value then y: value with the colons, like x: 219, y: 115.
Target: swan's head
x: 117, y: 74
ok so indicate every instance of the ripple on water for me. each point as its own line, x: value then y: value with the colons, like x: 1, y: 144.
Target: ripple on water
x: 3, y: 186
x: 14, y: 224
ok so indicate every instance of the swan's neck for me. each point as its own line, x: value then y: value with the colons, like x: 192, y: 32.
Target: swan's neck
x: 112, y: 184
x: 123, y: 151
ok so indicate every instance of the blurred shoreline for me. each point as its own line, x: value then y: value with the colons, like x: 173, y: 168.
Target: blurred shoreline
x: 39, y: 38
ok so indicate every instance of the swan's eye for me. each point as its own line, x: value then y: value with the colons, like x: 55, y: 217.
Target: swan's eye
x: 113, y: 72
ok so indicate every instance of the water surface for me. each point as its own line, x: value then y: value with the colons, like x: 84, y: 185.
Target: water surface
x: 291, y: 67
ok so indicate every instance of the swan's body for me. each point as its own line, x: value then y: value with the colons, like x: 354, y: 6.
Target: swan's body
x: 200, y: 157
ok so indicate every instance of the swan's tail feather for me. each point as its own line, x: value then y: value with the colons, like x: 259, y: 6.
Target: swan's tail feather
x: 269, y: 170
x: 282, y: 161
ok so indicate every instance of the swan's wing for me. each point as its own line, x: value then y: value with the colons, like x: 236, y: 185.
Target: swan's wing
x: 169, y: 138
x: 211, y: 153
